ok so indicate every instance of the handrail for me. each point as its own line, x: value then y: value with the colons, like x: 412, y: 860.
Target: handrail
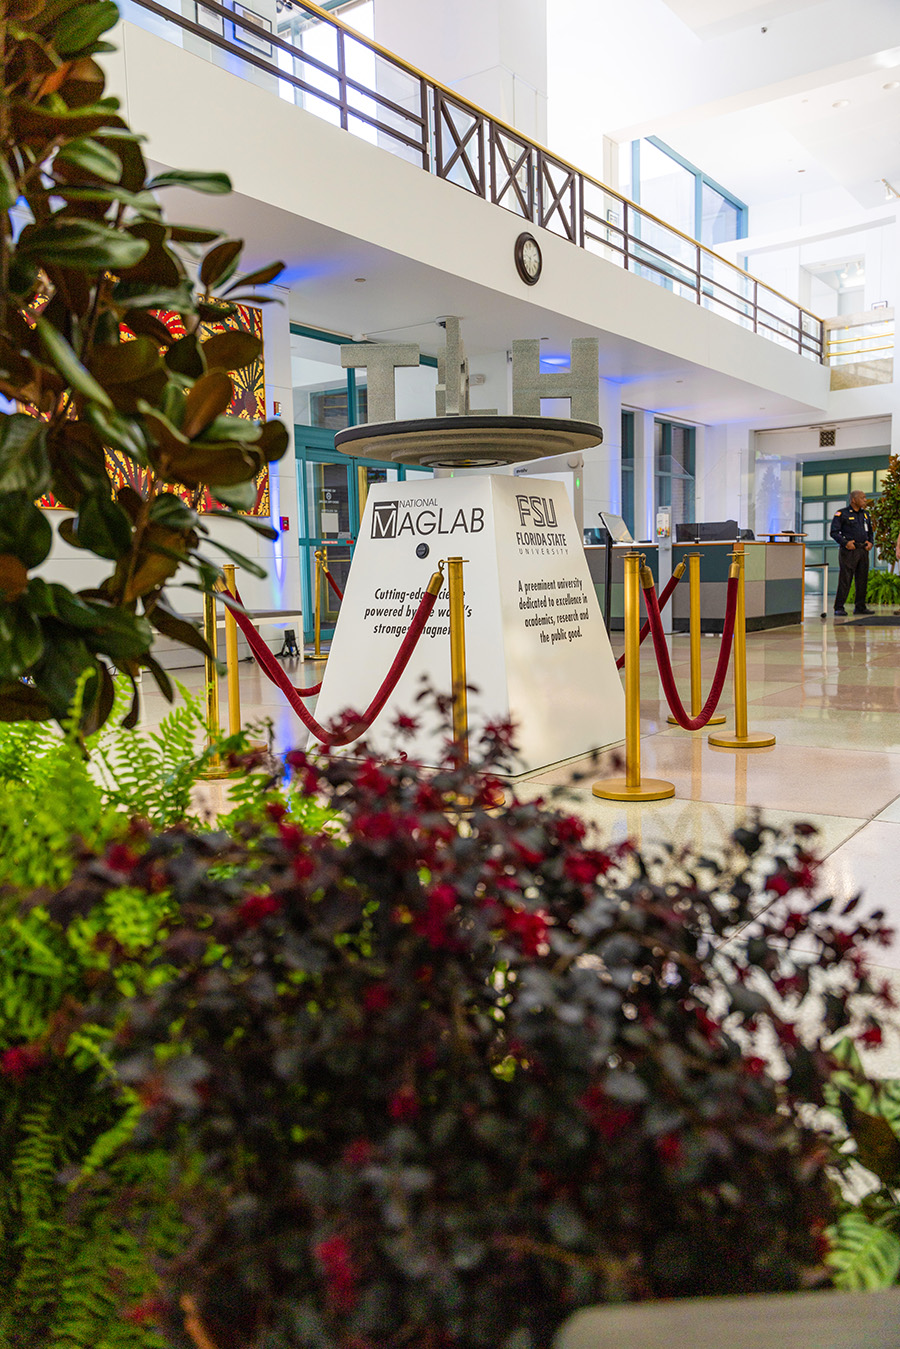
x: 539, y: 203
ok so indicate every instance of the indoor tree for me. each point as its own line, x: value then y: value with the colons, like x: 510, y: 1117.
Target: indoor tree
x: 88, y: 262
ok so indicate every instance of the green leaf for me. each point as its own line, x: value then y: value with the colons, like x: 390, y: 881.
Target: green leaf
x: 21, y: 641
x: 208, y: 399
x: 83, y: 245
x: 82, y: 25
x: 240, y: 496
x: 67, y: 363
x: 57, y: 676
x: 104, y: 528
x: 192, y: 234
x: 863, y: 1256
x: 24, y: 466
x: 92, y: 157
x: 169, y: 510
x: 8, y: 193
x: 119, y: 633
x: 231, y: 351
x: 24, y: 529
x: 118, y: 432
x: 214, y: 183
x: 142, y: 295
x: 242, y: 561
x: 172, y: 625
x: 251, y: 521
x: 220, y: 263
x: 262, y: 277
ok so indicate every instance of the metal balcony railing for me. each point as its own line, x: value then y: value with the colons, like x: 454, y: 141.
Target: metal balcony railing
x: 314, y: 60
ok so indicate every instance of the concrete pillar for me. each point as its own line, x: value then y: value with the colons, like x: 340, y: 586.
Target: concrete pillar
x: 603, y: 464
x: 644, y: 472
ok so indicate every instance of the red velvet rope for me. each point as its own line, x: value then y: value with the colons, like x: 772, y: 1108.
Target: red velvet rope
x: 663, y: 660
x: 270, y: 667
x: 263, y: 656
x: 333, y: 583
x: 645, y: 627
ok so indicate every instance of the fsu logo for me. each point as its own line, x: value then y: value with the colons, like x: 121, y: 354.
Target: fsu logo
x: 539, y: 512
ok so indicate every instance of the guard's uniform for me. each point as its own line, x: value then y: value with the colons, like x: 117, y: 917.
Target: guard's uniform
x: 854, y: 526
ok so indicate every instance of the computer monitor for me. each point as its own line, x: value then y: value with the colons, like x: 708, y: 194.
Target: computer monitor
x: 707, y: 531
x: 616, y: 527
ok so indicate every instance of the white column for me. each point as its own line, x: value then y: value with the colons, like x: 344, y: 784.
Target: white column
x: 283, y: 560
x: 603, y: 463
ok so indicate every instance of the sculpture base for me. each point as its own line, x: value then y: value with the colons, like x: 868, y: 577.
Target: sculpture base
x: 648, y: 789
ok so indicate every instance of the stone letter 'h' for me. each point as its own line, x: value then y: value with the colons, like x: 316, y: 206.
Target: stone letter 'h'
x: 580, y: 383
x: 380, y: 359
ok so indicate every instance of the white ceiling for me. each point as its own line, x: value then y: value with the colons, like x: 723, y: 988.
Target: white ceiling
x: 712, y: 18
x: 803, y: 143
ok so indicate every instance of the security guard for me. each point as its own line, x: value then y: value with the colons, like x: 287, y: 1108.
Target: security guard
x: 852, y: 529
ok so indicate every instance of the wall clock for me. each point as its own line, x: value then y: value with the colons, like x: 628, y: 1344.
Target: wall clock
x: 528, y: 259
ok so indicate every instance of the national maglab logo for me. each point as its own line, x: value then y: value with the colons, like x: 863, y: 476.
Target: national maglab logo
x: 419, y: 518
x: 384, y: 519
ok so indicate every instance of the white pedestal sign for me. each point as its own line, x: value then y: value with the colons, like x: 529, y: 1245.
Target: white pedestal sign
x: 536, y: 644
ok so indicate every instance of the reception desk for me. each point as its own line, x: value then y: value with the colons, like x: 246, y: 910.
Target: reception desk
x: 773, y: 582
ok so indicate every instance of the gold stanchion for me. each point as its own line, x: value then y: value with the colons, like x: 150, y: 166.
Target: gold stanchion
x: 231, y: 655
x: 458, y: 655
x: 742, y: 739
x: 317, y: 650
x: 696, y: 689
x: 631, y: 787
x: 211, y: 636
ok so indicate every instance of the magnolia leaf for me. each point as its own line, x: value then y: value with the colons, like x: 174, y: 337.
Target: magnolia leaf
x: 184, y: 357
x: 863, y: 1256
x: 21, y: 702
x: 877, y: 1145
x: 119, y: 633
x: 240, y: 496
x: 144, y: 324
x: 215, y: 183
x: 82, y: 25
x: 262, y: 277
x: 169, y: 510
x: 67, y: 363
x: 13, y: 578
x: 214, y: 466
x: 246, y: 563
x: 130, y: 371
x: 102, y: 705
x: 84, y: 245
x: 119, y: 433
x: 21, y: 641
x: 24, y: 465
x: 24, y: 529
x: 231, y: 351
x: 93, y: 158
x: 104, y: 527
x: 192, y: 234
x: 252, y: 522
x: 273, y: 440
x: 172, y: 625
x: 163, y: 682
x: 220, y: 262
x: 209, y: 398
x: 144, y: 295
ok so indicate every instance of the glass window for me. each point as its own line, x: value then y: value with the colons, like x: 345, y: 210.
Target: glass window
x: 880, y: 476
x: 815, y: 533
x: 813, y: 510
x: 861, y: 481
x: 835, y: 506
x: 720, y: 218
x: 667, y: 189
x: 837, y: 482
x: 813, y: 484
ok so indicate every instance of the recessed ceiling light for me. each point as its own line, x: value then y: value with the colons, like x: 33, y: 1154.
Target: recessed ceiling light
x: 841, y: 103
x: 679, y: 381
x: 359, y: 278
x: 801, y: 170
x: 891, y: 84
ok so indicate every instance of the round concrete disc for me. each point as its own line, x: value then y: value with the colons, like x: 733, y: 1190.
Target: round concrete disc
x: 467, y: 442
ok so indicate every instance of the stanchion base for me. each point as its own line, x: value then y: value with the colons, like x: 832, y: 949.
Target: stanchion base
x: 648, y: 789
x: 713, y: 721
x: 755, y: 740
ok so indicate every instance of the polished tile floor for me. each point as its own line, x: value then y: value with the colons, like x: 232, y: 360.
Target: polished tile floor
x: 830, y: 693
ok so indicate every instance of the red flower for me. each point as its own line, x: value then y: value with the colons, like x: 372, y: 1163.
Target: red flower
x: 669, y: 1149
x: 404, y: 1104
x: 303, y: 866
x: 378, y: 826
x: 755, y: 1067
x: 276, y: 811
x: 431, y: 923
x: 570, y: 829
x: 256, y: 908
x: 336, y: 1260
x: 152, y: 1309
x: 358, y: 1153
x: 585, y: 867
x: 779, y: 884
x: 121, y: 858
x: 530, y: 928
x: 871, y: 1037
x: 19, y: 1061
x: 406, y: 725
x: 610, y: 1120
x: 378, y: 997
x: 370, y: 777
